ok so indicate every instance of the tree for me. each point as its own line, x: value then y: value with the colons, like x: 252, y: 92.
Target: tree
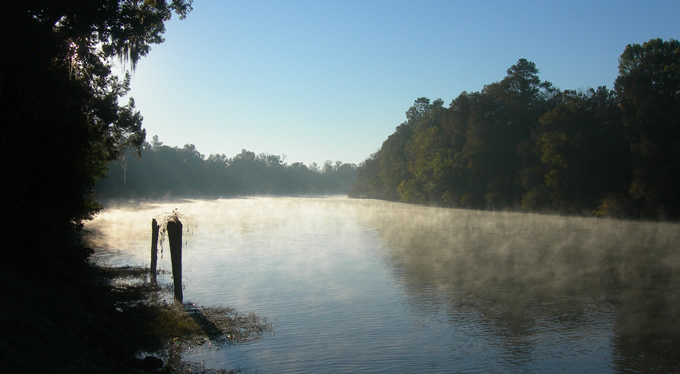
x: 393, y: 157
x: 648, y: 86
x: 451, y: 169
x: 368, y: 183
x: 581, y: 143
x: 500, y: 124
x: 61, y: 108
x: 424, y: 153
x: 521, y: 141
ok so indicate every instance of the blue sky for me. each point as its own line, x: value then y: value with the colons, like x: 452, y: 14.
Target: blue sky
x: 331, y: 80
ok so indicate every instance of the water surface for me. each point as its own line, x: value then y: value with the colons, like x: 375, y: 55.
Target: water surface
x: 371, y: 286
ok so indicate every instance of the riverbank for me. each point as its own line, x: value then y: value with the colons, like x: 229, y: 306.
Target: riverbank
x: 108, y: 320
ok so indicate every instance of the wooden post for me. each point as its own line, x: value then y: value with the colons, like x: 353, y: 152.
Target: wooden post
x: 175, y: 239
x: 154, y: 249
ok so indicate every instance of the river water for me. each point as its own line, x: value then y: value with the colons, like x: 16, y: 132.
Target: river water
x: 370, y: 286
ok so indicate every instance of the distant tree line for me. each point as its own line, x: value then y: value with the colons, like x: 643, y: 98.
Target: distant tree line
x: 523, y: 144
x: 165, y: 171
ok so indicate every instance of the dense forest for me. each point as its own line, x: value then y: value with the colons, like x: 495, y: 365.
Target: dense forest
x: 164, y: 171
x: 522, y: 143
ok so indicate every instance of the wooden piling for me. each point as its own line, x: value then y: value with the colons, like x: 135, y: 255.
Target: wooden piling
x: 175, y: 238
x: 154, y: 250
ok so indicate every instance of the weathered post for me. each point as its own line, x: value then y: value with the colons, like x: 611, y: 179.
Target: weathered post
x: 154, y: 249
x: 175, y: 239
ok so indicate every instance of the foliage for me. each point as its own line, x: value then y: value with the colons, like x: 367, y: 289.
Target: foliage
x: 165, y: 171
x: 61, y: 113
x: 521, y: 143
x: 649, y: 90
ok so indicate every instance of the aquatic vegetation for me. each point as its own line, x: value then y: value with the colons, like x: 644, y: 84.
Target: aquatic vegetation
x: 168, y: 328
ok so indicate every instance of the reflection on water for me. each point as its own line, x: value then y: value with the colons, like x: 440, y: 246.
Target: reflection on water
x: 530, y: 275
x: 359, y: 285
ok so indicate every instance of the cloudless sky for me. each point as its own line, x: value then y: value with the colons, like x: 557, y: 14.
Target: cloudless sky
x: 331, y: 80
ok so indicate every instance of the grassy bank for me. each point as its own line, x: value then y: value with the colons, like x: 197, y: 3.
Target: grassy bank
x: 108, y: 320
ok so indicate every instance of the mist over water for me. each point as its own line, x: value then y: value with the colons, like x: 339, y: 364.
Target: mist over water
x: 372, y: 286
x: 530, y: 272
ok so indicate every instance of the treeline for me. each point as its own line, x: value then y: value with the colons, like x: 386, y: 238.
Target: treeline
x: 165, y: 171
x: 523, y: 144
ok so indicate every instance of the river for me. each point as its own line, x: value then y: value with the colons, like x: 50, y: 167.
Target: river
x: 371, y: 286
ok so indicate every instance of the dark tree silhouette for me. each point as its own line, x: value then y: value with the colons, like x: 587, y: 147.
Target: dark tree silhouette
x: 61, y: 114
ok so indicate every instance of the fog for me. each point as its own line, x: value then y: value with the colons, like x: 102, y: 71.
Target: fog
x: 539, y: 283
x: 486, y: 251
x: 517, y: 269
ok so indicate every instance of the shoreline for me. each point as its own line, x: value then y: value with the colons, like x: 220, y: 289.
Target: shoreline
x: 110, y: 320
